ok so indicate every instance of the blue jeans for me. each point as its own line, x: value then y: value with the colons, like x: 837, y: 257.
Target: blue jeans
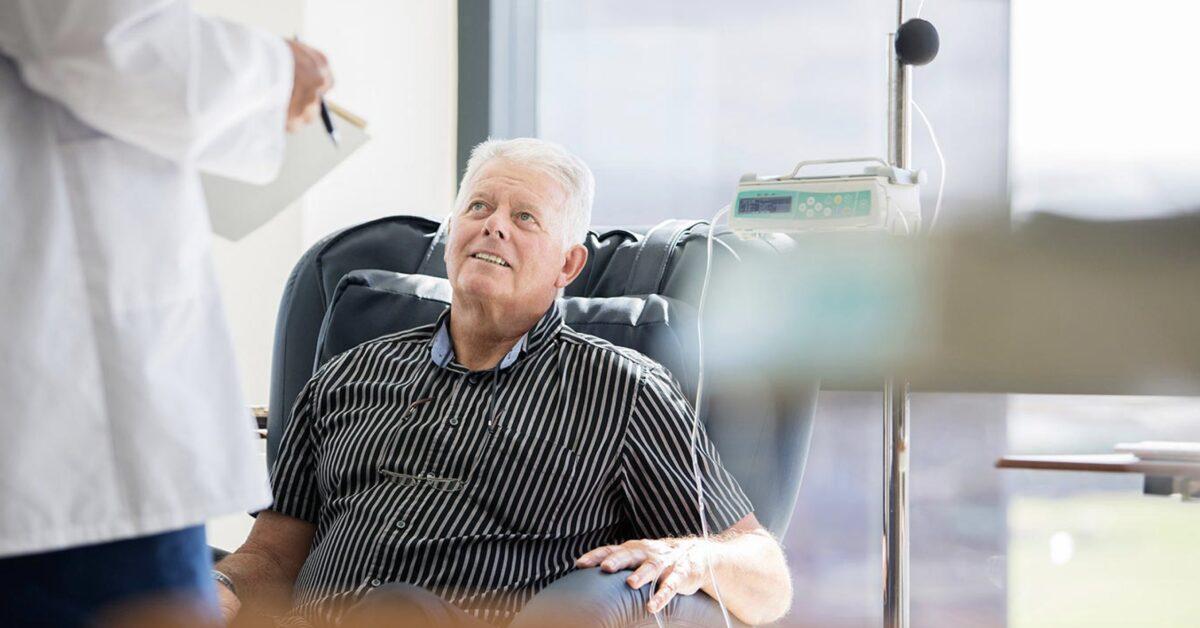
x: 74, y: 587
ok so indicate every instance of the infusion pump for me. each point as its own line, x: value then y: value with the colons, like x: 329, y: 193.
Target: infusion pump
x: 847, y: 195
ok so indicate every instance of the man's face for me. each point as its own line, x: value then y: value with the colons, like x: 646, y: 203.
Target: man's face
x: 506, y: 243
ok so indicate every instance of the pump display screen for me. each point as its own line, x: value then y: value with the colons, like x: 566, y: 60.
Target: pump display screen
x: 764, y: 205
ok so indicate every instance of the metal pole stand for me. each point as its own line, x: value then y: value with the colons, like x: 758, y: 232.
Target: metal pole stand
x: 914, y: 43
x: 895, y: 504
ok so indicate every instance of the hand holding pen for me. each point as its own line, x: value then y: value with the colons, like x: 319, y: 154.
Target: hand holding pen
x: 312, y: 79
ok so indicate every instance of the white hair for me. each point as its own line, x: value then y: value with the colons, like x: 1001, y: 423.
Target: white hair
x: 549, y: 158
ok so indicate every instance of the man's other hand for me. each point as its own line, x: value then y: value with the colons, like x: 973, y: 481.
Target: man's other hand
x: 679, y: 565
x: 312, y: 79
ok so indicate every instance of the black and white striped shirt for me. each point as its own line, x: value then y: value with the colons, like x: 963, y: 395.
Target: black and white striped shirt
x: 484, y: 487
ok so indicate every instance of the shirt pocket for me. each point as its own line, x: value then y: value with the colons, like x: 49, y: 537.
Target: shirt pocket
x: 523, y: 481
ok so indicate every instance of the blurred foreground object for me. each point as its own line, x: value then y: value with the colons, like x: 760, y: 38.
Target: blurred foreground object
x: 1060, y: 306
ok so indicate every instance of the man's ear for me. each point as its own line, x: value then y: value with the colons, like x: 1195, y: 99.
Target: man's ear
x: 573, y: 264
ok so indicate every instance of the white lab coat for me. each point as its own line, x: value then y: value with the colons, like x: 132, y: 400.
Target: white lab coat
x: 120, y: 409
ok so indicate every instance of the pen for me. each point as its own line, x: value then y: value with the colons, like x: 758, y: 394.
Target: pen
x: 326, y: 119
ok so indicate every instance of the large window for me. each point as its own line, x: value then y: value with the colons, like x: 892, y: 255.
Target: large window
x: 1103, y: 128
x: 671, y: 102
x: 1088, y: 549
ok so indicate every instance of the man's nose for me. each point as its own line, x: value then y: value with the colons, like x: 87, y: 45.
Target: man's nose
x: 496, y: 225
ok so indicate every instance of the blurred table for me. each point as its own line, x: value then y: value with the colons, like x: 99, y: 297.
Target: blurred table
x: 1162, y: 477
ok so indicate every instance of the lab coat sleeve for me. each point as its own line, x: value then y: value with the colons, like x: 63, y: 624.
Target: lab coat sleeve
x: 191, y: 88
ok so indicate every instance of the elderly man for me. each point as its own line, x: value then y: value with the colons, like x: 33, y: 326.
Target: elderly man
x: 478, y: 459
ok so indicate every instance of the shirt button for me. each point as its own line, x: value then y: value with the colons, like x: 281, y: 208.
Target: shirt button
x: 453, y: 422
x: 400, y: 525
x: 376, y: 582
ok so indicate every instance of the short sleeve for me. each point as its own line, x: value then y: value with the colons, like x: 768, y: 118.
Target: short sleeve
x: 294, y: 476
x: 656, y: 466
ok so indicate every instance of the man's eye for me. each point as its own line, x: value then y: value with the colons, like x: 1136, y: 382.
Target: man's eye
x: 525, y: 217
x: 477, y: 206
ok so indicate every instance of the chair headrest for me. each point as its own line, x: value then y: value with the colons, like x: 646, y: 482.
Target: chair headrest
x: 368, y: 304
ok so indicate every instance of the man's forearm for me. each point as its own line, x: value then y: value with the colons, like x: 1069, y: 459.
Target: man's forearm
x: 261, y: 582
x: 752, y: 575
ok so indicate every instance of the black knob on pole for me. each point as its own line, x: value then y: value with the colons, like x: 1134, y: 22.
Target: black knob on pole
x: 916, y: 42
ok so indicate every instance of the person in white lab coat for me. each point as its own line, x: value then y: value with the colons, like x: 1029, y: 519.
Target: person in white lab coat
x: 122, y: 426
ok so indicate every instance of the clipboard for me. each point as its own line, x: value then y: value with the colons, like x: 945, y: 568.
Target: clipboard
x: 237, y: 208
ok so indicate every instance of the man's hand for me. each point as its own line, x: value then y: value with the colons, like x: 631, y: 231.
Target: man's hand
x: 679, y: 565
x: 745, y: 559
x: 230, y: 604
x: 312, y: 79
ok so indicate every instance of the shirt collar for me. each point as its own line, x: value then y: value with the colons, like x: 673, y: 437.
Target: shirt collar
x: 441, y: 349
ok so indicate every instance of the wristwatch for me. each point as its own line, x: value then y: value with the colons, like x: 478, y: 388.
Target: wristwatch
x: 225, y: 580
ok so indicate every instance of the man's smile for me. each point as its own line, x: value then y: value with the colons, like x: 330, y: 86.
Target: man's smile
x: 491, y: 259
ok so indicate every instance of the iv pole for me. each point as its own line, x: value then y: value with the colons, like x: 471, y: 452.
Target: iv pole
x: 914, y: 43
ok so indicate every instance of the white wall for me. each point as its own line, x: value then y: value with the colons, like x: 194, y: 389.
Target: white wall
x: 395, y: 65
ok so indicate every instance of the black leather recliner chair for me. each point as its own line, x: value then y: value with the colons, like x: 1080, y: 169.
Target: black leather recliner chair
x: 384, y: 276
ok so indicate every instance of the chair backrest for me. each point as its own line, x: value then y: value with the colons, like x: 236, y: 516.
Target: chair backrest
x: 762, y: 434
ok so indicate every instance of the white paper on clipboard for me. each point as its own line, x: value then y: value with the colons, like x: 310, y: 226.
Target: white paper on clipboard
x: 236, y: 208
